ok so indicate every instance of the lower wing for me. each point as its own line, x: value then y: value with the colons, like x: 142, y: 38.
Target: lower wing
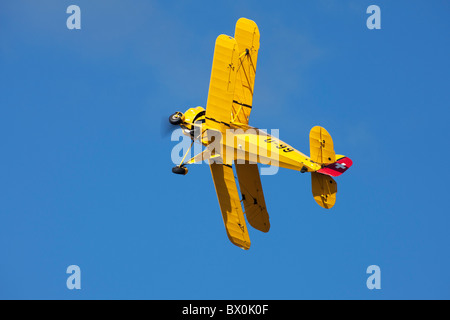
x: 253, y: 196
x: 230, y: 204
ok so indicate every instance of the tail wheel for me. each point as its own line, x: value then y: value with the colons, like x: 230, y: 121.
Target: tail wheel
x: 175, y: 118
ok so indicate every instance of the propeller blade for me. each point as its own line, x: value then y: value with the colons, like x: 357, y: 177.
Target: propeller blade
x: 166, y: 128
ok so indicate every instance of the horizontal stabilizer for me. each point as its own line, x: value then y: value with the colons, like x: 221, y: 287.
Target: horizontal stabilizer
x: 324, y: 190
x: 321, y: 146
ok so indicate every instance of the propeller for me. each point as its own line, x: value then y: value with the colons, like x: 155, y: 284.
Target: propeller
x: 168, y: 125
x: 165, y: 127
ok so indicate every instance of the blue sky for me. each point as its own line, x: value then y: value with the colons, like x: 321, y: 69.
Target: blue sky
x: 86, y: 174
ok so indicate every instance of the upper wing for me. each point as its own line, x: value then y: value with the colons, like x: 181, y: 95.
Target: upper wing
x: 232, y: 81
x: 221, y: 86
x: 253, y: 196
x: 230, y: 205
x: 247, y: 38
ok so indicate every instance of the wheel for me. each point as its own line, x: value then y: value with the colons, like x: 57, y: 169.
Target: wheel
x: 180, y: 170
x: 175, y: 118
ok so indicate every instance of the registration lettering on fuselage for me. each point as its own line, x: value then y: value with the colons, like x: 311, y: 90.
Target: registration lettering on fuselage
x: 280, y: 146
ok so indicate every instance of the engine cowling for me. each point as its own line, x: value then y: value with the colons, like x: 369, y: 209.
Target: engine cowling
x: 192, y: 121
x: 193, y: 115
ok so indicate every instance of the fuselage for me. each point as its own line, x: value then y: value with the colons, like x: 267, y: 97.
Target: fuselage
x: 247, y: 143
x: 243, y: 143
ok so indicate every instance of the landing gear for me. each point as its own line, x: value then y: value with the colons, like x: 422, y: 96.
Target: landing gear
x: 175, y: 118
x: 304, y: 169
x: 180, y: 170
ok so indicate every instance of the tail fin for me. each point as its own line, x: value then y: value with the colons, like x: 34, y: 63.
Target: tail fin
x: 324, y: 187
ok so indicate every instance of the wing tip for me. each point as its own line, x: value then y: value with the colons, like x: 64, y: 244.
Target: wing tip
x: 241, y: 243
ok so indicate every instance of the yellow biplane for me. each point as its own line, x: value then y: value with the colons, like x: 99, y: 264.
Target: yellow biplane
x: 223, y: 129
